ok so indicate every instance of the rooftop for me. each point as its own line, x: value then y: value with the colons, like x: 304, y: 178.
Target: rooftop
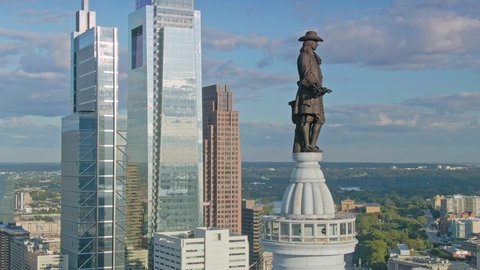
x: 12, y: 229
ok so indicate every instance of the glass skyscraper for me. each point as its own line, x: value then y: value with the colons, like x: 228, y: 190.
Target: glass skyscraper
x: 93, y: 152
x: 164, y: 120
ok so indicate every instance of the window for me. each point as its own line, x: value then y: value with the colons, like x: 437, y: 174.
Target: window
x: 137, y: 47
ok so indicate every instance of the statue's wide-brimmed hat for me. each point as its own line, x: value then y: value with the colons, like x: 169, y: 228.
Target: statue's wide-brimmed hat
x: 311, y: 35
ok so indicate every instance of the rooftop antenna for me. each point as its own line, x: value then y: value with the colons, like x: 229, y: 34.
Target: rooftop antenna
x: 85, y: 5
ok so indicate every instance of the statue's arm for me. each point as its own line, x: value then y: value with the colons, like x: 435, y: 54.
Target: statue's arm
x: 306, y: 70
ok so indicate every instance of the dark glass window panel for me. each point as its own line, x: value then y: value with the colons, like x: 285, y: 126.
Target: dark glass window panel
x: 137, y: 47
x: 105, y: 213
x: 105, y: 229
x: 105, y: 198
x: 105, y: 168
x: 105, y: 183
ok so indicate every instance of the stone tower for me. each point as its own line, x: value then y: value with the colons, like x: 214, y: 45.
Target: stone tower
x: 308, y: 234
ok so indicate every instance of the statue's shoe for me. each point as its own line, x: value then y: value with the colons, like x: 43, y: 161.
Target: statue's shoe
x: 310, y: 148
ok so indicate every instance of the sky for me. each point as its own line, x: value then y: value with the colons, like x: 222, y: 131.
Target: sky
x: 404, y: 74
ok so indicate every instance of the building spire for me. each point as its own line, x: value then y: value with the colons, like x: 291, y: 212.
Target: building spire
x: 86, y: 19
x: 85, y: 5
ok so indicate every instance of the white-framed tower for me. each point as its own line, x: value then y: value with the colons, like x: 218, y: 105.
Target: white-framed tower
x: 308, y: 234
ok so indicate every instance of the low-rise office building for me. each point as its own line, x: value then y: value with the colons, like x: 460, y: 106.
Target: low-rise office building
x: 202, y: 248
x: 35, y: 254
x: 413, y: 263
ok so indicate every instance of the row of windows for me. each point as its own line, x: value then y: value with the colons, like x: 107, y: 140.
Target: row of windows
x: 229, y: 124
x: 226, y: 202
x: 226, y: 187
x: 171, y: 255
x: 167, y: 259
x: 232, y: 192
x: 220, y: 167
x: 219, y: 159
x: 223, y: 218
x: 194, y: 250
x: 168, y: 247
x: 194, y: 243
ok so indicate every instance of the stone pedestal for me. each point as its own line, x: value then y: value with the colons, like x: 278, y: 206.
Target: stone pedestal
x: 308, y: 234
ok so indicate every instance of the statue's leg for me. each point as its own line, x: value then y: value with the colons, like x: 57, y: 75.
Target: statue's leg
x: 298, y: 141
x: 307, y: 125
x: 317, y: 126
x: 306, y: 136
x: 315, y: 133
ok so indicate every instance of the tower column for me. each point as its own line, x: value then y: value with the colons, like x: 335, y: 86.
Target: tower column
x: 308, y: 234
x: 85, y: 5
x: 286, y: 262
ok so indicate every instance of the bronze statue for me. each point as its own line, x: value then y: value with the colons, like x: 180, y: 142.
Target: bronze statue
x: 307, y: 108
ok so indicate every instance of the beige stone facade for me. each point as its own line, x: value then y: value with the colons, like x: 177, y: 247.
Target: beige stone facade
x: 348, y: 206
x: 47, y: 229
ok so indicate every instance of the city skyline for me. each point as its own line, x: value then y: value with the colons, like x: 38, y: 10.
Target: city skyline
x: 403, y: 75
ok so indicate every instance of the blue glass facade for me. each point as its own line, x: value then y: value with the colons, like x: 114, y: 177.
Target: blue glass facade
x: 93, y: 157
x: 141, y: 3
x: 164, y: 120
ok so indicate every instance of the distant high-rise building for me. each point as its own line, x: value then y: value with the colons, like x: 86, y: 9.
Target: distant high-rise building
x: 472, y: 204
x: 7, y: 191
x: 8, y: 234
x: 19, y: 200
x: 437, y: 201
x: 222, y: 160
x: 164, y: 121
x: 93, y: 158
x: 453, y: 204
x: 202, y: 248
x: 458, y: 204
x: 252, y: 226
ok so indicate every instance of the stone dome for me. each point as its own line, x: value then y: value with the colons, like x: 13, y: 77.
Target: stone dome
x: 308, y: 196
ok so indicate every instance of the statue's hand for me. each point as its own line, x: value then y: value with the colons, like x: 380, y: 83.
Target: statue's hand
x: 317, y: 88
x: 320, y: 90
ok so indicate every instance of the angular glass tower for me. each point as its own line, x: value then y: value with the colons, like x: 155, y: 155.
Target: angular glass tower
x: 93, y: 154
x: 164, y: 120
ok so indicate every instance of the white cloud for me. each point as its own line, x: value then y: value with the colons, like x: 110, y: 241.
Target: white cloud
x: 23, y: 93
x: 51, y: 50
x: 30, y: 138
x: 220, y: 40
x: 247, y: 83
x: 409, y: 131
x: 459, y: 103
x: 29, y: 131
x: 404, y: 35
x: 411, y: 37
x: 43, y: 16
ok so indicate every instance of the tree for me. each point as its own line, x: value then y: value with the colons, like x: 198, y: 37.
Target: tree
x: 378, y: 250
x: 422, y: 220
x: 436, y: 214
